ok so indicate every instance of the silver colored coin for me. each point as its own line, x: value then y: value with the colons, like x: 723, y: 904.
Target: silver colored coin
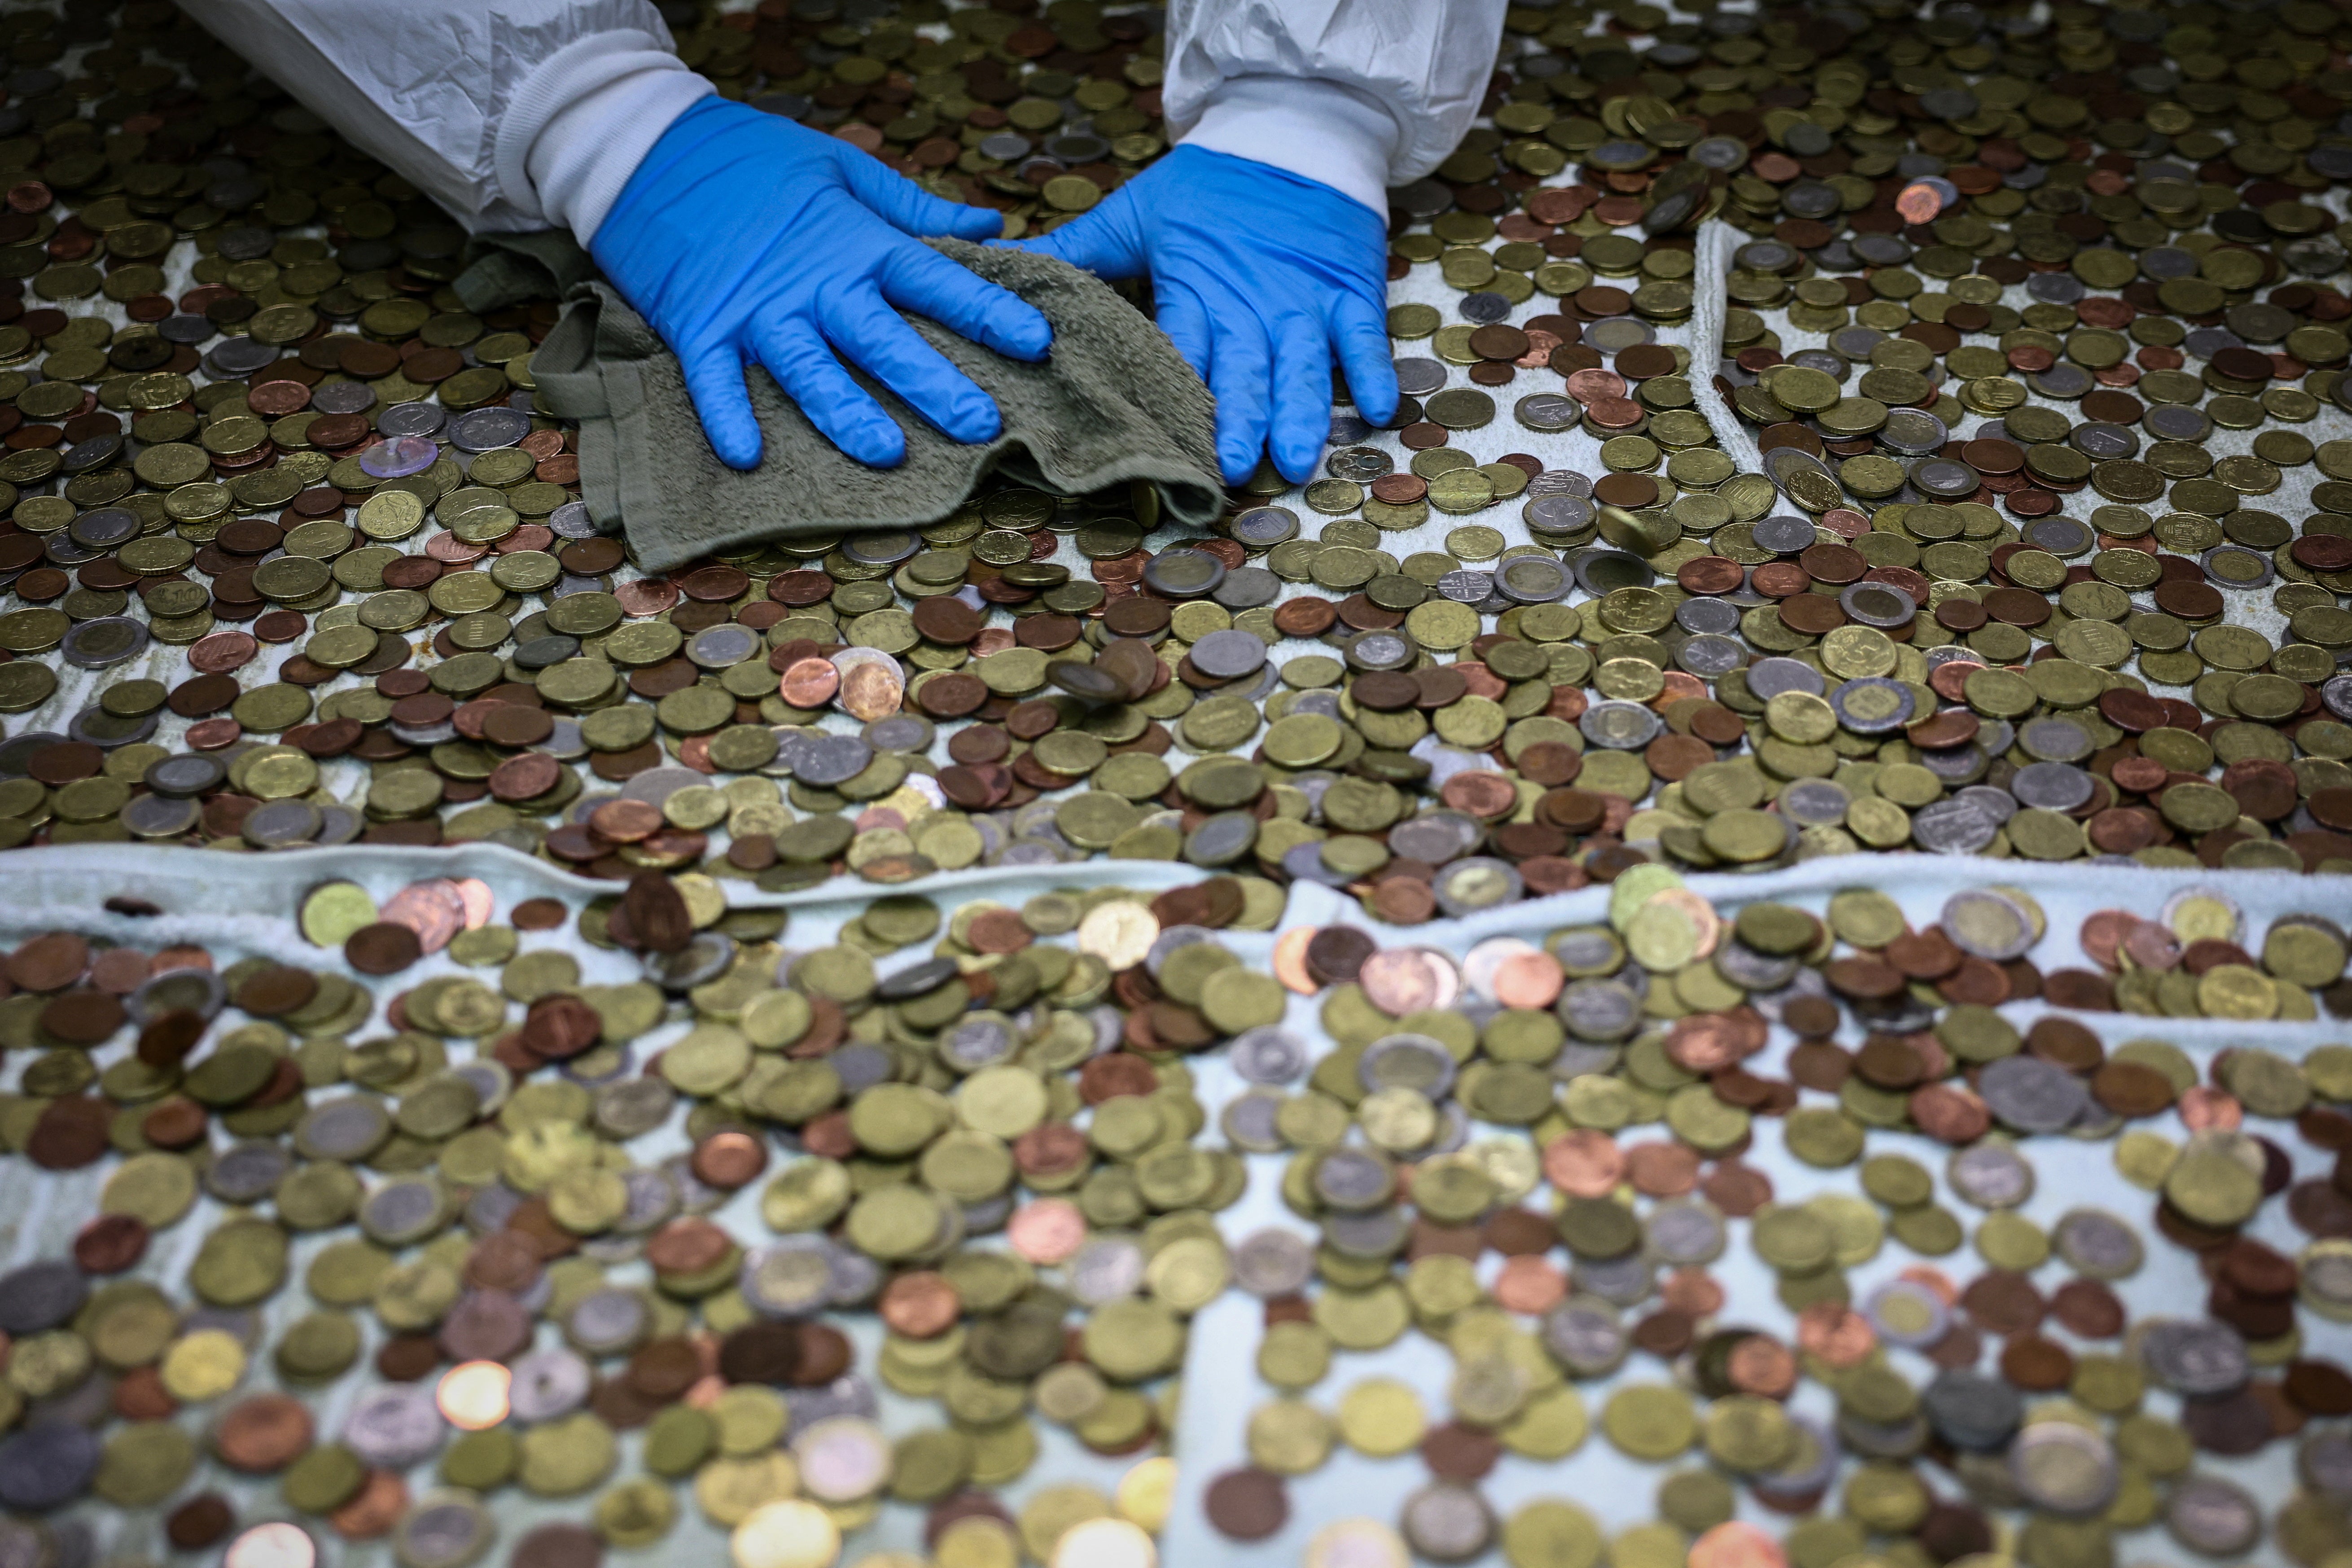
x: 443, y: 1530
x: 2325, y: 1463
x: 1989, y: 1174
x: 1229, y: 655
x: 1532, y: 580
x: 1465, y: 586
x: 2199, y: 1358
x: 1380, y: 650
x: 1480, y: 882
x: 1108, y: 1267
x: 2032, y: 1094
x: 2093, y: 1242
x: 1596, y: 1009
x: 2212, y: 1516
x: 1447, y: 1523
x: 629, y: 1108
x: 1273, y: 1262
x: 2056, y: 740
x: 1247, y: 587
x: 1971, y: 1411
x: 1352, y: 1180
x: 1418, y: 377
x: 1369, y: 1234
x: 1913, y: 432
x: 1686, y: 1233
x: 1620, y: 726
x: 103, y: 643
x: 1997, y: 803
x: 486, y: 429
x: 282, y: 824
x: 1769, y: 677
x: 1710, y: 655
x: 160, y: 815
x: 2062, y: 1467
x: 1702, y: 615
x: 1813, y: 803
x: 1586, y: 1337
x: 787, y: 1278
x: 346, y: 1130
x: 1268, y: 1054
x: 245, y: 1173
x: 2052, y: 787
x: 607, y: 1322
x: 1251, y: 1121
x: 394, y: 1426
x: 1548, y: 411
x: 1182, y: 574
x: 1881, y: 605
x: 554, y: 1383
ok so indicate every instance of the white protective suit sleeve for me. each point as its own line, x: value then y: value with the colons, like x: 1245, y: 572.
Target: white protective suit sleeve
x: 1359, y: 94
x: 511, y: 114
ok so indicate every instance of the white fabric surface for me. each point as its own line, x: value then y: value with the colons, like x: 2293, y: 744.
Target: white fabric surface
x: 1716, y: 241
x: 1424, y: 62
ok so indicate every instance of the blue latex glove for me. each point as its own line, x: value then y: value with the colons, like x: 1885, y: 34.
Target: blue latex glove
x: 743, y: 237
x: 1259, y: 275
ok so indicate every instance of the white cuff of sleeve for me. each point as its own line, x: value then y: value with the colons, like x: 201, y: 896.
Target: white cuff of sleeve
x: 584, y: 119
x: 1317, y: 129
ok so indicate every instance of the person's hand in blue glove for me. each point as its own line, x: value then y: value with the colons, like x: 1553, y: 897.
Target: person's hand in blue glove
x: 1259, y: 276
x: 744, y: 237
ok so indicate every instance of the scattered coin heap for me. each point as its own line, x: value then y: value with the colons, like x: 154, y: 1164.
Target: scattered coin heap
x: 1980, y: 1410
x: 323, y: 479
x: 990, y: 1146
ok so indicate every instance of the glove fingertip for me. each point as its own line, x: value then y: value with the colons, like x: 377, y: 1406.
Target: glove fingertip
x: 975, y: 223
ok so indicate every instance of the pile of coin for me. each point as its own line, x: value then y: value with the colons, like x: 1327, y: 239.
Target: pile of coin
x: 368, y: 604
x: 1485, y: 1109
x: 984, y: 1135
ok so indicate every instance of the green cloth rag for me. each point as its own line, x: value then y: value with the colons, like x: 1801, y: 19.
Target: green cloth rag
x: 1114, y: 405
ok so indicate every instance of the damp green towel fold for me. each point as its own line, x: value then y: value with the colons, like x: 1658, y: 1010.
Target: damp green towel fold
x: 1114, y: 405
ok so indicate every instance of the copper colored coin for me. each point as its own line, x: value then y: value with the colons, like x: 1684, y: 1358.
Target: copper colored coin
x: 2087, y: 1309
x: 202, y: 1520
x: 262, y: 1434
x: 1629, y: 491
x: 1736, y: 1189
x: 111, y: 1244
x: 559, y: 1543
x: 920, y: 1304
x: 1709, y: 575
x: 1459, y: 1452
x: 406, y: 1358
x: 538, y: 914
x: 729, y: 1160
x: 218, y: 653
x: 382, y: 948
x: 1247, y: 1504
x: 2000, y: 1302
x: 1814, y: 614
x: 1400, y: 489
x: 1308, y: 616
x: 2036, y: 1364
x: 82, y: 1017
x: 2191, y: 600
x: 69, y: 1133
